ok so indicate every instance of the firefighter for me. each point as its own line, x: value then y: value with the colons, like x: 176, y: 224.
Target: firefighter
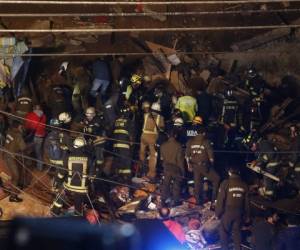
x: 179, y: 128
x: 65, y: 139
x: 188, y: 106
x: 200, y: 158
x: 52, y: 144
x: 24, y: 105
x: 93, y: 126
x: 173, y: 163
x: 122, y: 136
x: 78, y: 170
x: 14, y: 143
x: 153, y: 124
x: 268, y: 159
x: 254, y: 82
x: 135, y: 91
x: 231, y: 207
x: 229, y: 117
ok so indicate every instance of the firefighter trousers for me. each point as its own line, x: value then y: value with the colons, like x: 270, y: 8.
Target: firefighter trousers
x: 60, y: 202
x: 99, y: 149
x: 149, y: 141
x: 270, y: 185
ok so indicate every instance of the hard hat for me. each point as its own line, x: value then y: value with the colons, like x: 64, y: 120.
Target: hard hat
x: 178, y: 122
x: 136, y: 79
x: 197, y: 120
x: 79, y: 142
x: 63, y: 67
x: 125, y: 110
x: 229, y: 92
x: 251, y: 71
x: 90, y: 112
x: 64, y: 117
x: 146, y: 104
x: 233, y: 170
x: 155, y: 106
x: 55, y: 122
x: 123, y: 81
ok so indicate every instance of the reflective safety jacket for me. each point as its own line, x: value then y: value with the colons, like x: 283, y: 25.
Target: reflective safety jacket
x: 122, y: 132
x: 229, y: 112
x: 94, y: 127
x: 77, y: 170
x: 188, y: 107
x: 153, y: 121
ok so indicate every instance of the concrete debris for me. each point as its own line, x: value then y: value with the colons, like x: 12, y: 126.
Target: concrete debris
x: 43, y: 41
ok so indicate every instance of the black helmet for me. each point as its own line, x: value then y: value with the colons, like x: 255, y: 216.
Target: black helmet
x: 233, y: 170
x: 251, y: 72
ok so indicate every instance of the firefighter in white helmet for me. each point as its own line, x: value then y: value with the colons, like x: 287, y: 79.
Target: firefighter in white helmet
x: 93, y: 127
x: 75, y: 175
x: 153, y: 124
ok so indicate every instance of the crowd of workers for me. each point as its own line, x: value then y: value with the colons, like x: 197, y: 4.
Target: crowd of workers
x: 174, y: 140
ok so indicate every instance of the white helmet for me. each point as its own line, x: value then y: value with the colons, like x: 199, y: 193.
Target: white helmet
x: 90, y: 113
x: 178, y: 122
x: 145, y: 104
x: 79, y: 142
x: 155, y: 106
x: 64, y: 117
x: 63, y: 67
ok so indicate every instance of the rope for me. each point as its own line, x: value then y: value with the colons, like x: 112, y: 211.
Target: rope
x: 62, y: 2
x: 62, y: 129
x: 92, y: 177
x: 143, y: 14
x: 34, y: 176
x: 204, y: 53
x: 181, y: 29
x: 137, y: 143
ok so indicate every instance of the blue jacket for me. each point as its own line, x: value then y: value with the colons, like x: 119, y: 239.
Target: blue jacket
x: 101, y: 70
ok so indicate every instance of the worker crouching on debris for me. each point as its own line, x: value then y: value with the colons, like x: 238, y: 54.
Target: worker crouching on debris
x: 75, y: 176
x: 231, y: 207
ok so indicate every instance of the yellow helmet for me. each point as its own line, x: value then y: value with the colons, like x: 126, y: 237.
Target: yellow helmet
x: 198, y: 120
x: 136, y: 79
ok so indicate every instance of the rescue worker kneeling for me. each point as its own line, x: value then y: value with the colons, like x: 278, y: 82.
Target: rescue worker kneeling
x: 75, y: 177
